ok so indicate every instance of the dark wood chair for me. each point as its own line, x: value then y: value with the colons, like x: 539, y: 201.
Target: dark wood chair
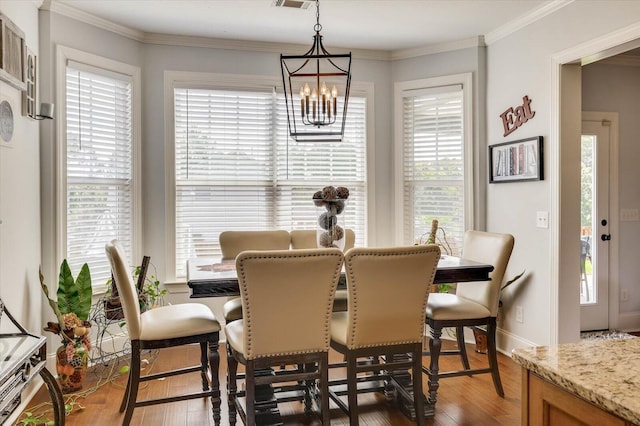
x: 287, y: 296
x: 388, y: 290
x: 474, y: 305
x: 163, y: 327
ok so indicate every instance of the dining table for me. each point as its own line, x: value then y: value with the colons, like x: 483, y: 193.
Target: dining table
x: 217, y: 277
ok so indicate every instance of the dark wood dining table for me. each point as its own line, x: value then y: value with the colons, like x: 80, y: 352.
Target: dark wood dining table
x: 213, y: 277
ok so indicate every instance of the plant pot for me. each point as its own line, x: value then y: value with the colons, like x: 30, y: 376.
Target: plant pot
x: 71, y: 371
x: 481, y: 341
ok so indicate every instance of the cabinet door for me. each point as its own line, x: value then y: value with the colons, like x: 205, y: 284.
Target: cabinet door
x: 550, y: 405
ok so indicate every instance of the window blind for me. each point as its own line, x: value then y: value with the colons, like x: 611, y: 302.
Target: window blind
x: 99, y: 165
x: 237, y: 169
x: 433, y: 164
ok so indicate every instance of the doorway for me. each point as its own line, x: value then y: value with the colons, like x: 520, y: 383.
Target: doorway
x: 596, y: 161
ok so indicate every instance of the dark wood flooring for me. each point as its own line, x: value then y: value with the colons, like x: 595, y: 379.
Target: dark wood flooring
x: 461, y: 400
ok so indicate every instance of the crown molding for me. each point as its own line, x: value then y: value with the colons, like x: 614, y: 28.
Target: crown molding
x: 437, y: 48
x: 258, y: 46
x: 517, y: 24
x: 254, y: 46
x: 87, y: 18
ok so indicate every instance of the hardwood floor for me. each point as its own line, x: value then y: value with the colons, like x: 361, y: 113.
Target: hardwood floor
x: 461, y: 400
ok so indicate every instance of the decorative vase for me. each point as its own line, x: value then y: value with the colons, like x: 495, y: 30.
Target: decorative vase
x: 71, y: 369
x: 330, y: 231
x: 481, y: 341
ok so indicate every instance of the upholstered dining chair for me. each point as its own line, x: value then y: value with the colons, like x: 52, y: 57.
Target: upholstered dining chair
x: 278, y: 331
x: 388, y: 290
x: 163, y: 327
x: 234, y: 242
x: 474, y: 305
x: 306, y: 238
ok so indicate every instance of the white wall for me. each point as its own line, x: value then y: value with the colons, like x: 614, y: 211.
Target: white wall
x: 20, y: 193
x: 518, y: 65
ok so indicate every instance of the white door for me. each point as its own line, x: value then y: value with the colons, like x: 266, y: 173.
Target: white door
x: 595, y: 224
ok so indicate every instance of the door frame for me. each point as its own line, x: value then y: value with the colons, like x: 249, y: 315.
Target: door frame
x: 565, y: 117
x: 614, y: 212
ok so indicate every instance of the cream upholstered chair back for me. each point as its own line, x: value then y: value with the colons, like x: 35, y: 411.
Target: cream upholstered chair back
x: 126, y: 288
x: 492, y: 248
x: 287, y: 299
x: 233, y: 242
x: 388, y: 289
x: 307, y: 238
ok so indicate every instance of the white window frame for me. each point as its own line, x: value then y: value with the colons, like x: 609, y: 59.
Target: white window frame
x: 65, y: 54
x: 400, y: 90
x: 213, y: 81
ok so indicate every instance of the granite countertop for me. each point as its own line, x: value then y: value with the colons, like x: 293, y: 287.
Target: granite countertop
x: 604, y: 372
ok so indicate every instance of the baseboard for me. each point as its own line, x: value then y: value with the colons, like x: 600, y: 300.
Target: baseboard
x: 507, y: 342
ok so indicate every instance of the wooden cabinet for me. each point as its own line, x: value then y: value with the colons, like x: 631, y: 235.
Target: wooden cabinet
x: 544, y: 403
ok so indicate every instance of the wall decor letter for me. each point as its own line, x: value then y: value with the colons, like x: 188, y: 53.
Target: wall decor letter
x: 513, y: 118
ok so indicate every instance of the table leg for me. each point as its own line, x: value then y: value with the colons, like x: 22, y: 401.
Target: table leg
x: 56, y: 396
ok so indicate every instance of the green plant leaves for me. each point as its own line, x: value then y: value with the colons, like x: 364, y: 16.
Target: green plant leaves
x: 74, y: 295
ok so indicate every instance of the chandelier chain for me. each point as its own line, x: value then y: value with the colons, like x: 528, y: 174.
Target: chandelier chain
x: 317, y: 27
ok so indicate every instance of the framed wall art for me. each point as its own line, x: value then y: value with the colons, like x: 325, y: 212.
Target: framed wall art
x: 12, y: 54
x: 515, y: 161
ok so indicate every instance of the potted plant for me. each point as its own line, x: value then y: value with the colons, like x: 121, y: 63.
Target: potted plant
x: 71, y: 309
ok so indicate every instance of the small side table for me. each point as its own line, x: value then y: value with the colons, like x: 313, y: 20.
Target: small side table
x: 22, y: 357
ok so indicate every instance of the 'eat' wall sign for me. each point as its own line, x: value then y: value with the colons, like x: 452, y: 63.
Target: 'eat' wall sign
x: 516, y: 117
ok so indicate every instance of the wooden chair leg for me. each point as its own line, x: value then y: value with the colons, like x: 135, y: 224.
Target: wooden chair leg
x: 462, y: 347
x: 435, y: 345
x: 324, y: 388
x: 204, y: 362
x: 416, y: 377
x: 232, y: 384
x: 214, y: 367
x: 493, y: 356
x: 134, y: 382
x: 250, y: 381
x: 352, y: 389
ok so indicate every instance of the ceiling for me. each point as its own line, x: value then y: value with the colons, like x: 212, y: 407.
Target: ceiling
x: 354, y: 24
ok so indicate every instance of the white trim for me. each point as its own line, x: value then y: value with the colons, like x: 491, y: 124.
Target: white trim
x: 87, y: 18
x: 512, y: 26
x: 466, y: 80
x: 593, y: 47
x: 63, y: 55
x: 431, y: 49
x: 185, y: 79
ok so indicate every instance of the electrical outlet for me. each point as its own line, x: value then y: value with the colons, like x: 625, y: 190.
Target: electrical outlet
x: 519, y: 314
x: 542, y: 219
x: 624, y: 295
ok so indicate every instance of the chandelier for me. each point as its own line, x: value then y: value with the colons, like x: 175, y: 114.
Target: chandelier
x: 316, y: 88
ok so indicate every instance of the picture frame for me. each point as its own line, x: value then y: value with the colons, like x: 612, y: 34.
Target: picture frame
x: 13, y: 54
x: 517, y: 161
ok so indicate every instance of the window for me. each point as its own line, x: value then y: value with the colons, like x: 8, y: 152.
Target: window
x: 434, y: 177
x: 99, y: 184
x: 235, y: 168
